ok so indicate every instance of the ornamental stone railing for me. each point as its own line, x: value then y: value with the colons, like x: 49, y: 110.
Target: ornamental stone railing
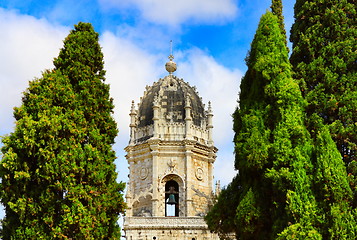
x: 164, y: 223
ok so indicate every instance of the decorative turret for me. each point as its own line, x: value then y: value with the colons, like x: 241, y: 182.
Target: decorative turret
x: 132, y: 122
x: 188, y: 117
x: 209, y: 124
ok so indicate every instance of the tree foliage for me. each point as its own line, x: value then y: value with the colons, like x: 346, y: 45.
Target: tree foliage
x: 220, y: 218
x: 273, y: 146
x: 58, y: 173
x: 324, y: 38
x: 277, y: 9
x: 290, y: 185
x: 332, y: 189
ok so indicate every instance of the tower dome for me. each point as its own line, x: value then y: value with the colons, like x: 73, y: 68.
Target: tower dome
x: 172, y: 95
x: 171, y: 109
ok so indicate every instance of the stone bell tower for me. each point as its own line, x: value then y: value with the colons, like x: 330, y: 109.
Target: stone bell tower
x: 170, y: 156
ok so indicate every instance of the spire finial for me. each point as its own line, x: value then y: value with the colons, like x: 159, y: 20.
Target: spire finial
x: 132, y: 106
x: 171, y: 66
x: 171, y: 57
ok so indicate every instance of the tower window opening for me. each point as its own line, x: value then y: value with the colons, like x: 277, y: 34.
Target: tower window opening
x: 171, y: 199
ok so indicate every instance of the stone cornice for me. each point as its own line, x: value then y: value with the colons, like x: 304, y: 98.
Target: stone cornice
x: 163, y: 223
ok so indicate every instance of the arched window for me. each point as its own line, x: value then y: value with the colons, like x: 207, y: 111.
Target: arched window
x: 171, y: 199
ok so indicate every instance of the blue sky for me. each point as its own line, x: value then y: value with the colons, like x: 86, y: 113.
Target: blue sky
x: 211, y: 39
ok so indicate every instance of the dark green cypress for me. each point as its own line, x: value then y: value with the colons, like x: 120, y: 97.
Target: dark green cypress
x: 332, y: 189
x: 58, y: 173
x: 292, y: 186
x: 324, y: 37
x: 272, y: 144
x: 277, y: 9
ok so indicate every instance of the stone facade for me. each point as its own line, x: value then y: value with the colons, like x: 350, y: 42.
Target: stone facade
x: 170, y: 152
x: 168, y: 228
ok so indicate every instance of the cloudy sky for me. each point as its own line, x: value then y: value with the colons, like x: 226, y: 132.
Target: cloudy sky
x: 210, y: 41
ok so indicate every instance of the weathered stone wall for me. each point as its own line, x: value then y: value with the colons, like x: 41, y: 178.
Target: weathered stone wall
x: 193, y: 173
x: 168, y: 229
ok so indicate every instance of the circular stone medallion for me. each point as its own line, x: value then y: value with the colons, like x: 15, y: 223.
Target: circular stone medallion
x: 144, y: 173
x: 199, y: 173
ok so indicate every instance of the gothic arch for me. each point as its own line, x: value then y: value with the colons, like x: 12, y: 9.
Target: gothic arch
x: 180, y: 211
x: 174, y: 177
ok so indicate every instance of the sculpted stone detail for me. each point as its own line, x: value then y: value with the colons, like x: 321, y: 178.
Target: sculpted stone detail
x: 202, y: 194
x: 199, y: 173
x: 203, y: 201
x: 172, y: 168
x: 147, y: 192
x: 172, y: 164
x: 144, y: 212
x: 144, y: 173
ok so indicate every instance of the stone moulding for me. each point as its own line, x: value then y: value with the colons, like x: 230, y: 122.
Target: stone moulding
x: 162, y: 223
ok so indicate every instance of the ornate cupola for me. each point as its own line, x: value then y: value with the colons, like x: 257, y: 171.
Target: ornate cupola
x: 170, y: 156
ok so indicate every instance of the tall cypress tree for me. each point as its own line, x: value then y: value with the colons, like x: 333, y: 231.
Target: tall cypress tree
x: 291, y: 186
x: 272, y: 145
x: 58, y: 173
x: 324, y: 62
x: 277, y: 9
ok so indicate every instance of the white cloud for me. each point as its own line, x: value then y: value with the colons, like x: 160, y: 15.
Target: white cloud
x: 129, y: 69
x: 215, y: 83
x: 219, y: 85
x: 224, y: 166
x: 173, y: 12
x: 27, y: 47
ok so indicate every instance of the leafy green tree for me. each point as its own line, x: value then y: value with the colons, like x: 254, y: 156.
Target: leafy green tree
x: 58, y: 173
x: 291, y: 186
x: 272, y: 145
x: 220, y: 218
x: 332, y: 189
x: 324, y: 38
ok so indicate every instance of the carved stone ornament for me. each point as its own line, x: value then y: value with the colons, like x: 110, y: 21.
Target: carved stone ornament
x: 144, y: 173
x: 172, y: 164
x: 199, y: 174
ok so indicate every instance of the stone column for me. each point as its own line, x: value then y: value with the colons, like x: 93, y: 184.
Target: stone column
x: 188, y: 118
x: 210, y: 162
x: 154, y: 146
x: 156, y: 117
x: 128, y: 196
x: 132, y: 125
x: 189, y: 176
x: 209, y: 124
